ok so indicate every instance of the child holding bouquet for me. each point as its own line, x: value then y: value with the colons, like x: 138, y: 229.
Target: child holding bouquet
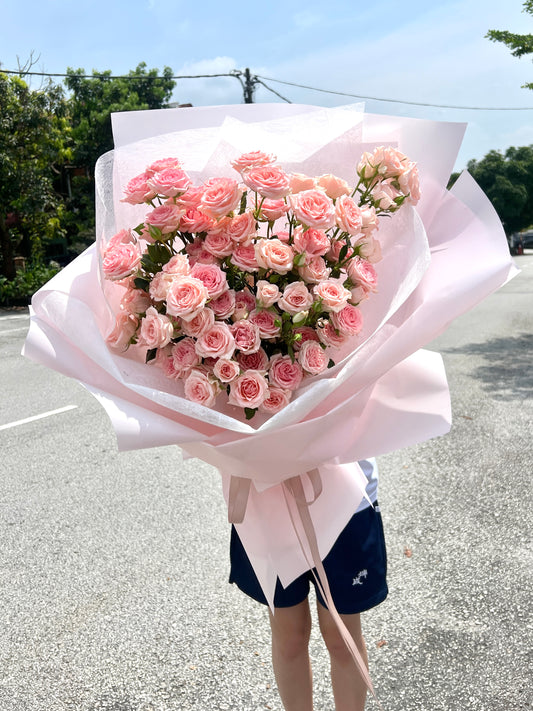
x: 356, y: 568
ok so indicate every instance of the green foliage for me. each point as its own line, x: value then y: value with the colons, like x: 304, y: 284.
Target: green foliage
x: 517, y: 43
x: 34, y: 143
x: 18, y: 291
x: 93, y: 100
x: 507, y: 179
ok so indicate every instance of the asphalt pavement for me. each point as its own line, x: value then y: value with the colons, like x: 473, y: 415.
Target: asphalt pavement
x: 113, y: 566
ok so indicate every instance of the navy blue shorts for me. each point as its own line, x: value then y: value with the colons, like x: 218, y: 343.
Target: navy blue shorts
x: 356, y: 568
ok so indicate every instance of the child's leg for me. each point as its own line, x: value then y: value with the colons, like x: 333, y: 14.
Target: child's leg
x: 291, y: 629
x: 349, y: 689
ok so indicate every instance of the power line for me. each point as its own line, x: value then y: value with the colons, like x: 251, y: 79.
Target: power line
x: 400, y: 101
x: 251, y: 80
x: 113, y: 76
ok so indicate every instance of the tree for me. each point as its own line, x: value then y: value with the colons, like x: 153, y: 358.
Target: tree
x: 518, y: 44
x: 93, y: 100
x: 507, y: 179
x: 34, y: 143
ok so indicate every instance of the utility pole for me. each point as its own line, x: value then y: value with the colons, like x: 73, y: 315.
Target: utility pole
x: 248, y: 87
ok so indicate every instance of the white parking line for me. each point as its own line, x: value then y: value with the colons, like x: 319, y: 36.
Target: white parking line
x: 38, y: 417
x: 13, y: 316
x: 12, y: 330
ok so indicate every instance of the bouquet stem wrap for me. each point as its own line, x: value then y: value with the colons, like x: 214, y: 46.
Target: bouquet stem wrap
x: 385, y: 392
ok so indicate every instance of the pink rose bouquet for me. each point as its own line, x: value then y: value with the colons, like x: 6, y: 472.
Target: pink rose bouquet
x: 247, y: 286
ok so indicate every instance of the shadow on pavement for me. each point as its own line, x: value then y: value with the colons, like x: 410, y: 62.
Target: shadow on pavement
x: 508, y: 373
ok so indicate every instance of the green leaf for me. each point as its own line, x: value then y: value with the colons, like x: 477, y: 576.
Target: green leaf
x: 331, y: 363
x: 249, y: 412
x: 343, y: 252
x: 143, y: 284
x: 155, y: 232
x: 148, y: 265
x: 150, y: 354
x: 159, y: 253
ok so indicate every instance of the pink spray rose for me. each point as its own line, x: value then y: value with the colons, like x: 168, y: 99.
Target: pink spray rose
x: 248, y: 390
x: 277, y: 399
x: 197, y: 252
x: 270, y: 181
x: 123, y: 331
x: 156, y: 329
x: 267, y: 293
x: 169, y: 182
x: 348, y: 215
x: 160, y: 285
x: 135, y: 301
x: 138, y: 191
x: 244, y: 304
x: 162, y: 164
x: 200, y: 323
x: 409, y: 183
x: 247, y: 336
x: 333, y: 186
x: 305, y: 333
x: 184, y: 357
x: 165, y: 217
x: 266, y: 321
x: 384, y: 195
x: 195, y: 221
x: 120, y: 260
x: 312, y: 242
x: 226, y: 370
x: 199, y: 388
x: 329, y: 336
x: 312, y: 357
x: 244, y: 257
x: 216, y: 342
x: 191, y: 198
x: 284, y: 372
x: 314, y: 209
x: 300, y: 182
x: 369, y: 249
x: 274, y: 254
x: 333, y: 294
x: 219, y: 243
x: 272, y: 210
x: 213, y: 278
x: 314, y: 271
x: 239, y: 228
x: 178, y: 265
x: 186, y: 296
x: 253, y: 361
x: 221, y: 196
x: 295, y: 298
x: 224, y: 305
x: 253, y: 159
x: 362, y: 274
x: 348, y: 321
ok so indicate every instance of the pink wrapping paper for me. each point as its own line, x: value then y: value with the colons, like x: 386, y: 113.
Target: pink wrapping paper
x: 384, y: 393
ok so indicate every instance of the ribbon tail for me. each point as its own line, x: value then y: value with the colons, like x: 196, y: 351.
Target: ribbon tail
x: 239, y: 490
x: 302, y: 522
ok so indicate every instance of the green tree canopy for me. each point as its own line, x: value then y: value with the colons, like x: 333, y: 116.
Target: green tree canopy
x: 34, y: 143
x: 93, y: 100
x: 518, y: 44
x: 507, y: 179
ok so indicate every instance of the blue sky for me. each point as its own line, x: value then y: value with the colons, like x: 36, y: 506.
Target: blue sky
x: 429, y: 52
